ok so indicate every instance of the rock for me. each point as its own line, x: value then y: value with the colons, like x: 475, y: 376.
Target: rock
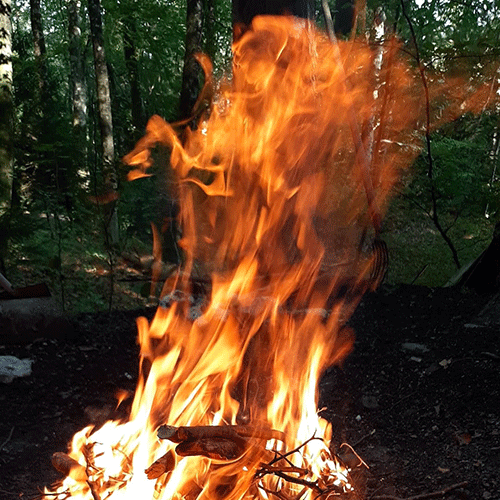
x: 413, y: 347
x: 12, y: 367
x: 370, y: 402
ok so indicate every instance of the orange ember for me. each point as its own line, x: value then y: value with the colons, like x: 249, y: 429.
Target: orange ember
x: 280, y: 186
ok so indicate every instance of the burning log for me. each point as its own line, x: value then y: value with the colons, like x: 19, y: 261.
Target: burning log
x: 217, y: 442
x: 165, y: 463
x: 213, y: 448
x: 69, y: 466
x: 229, y: 432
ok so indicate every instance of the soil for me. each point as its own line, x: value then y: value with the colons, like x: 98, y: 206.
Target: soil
x: 418, y: 399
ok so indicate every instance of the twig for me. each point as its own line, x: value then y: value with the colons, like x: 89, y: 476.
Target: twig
x: 297, y: 480
x: 424, y: 496
x: 361, y: 461
x: 362, y: 438
x: 283, y: 456
x: 8, y: 438
x: 422, y: 271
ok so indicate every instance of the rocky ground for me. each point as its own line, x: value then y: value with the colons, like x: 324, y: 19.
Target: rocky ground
x: 418, y: 399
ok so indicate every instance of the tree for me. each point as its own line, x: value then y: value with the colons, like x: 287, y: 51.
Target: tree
x: 78, y: 95
x: 40, y: 53
x: 77, y: 83
x: 105, y: 121
x: 191, y: 73
x: 6, y: 106
x: 132, y: 63
x: 245, y: 10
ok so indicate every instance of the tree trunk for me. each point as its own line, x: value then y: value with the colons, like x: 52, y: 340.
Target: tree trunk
x: 77, y: 82
x: 40, y: 53
x: 245, y: 10
x: 105, y: 121
x: 191, y: 74
x: 344, y: 16
x: 132, y: 64
x: 78, y: 92
x: 6, y: 107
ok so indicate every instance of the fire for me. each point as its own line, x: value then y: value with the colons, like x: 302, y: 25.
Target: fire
x: 278, y: 186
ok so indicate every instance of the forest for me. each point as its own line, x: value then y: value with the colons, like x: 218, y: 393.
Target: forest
x: 80, y: 79
x: 249, y: 249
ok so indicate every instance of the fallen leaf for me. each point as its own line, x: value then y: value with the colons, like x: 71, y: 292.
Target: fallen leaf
x: 463, y: 438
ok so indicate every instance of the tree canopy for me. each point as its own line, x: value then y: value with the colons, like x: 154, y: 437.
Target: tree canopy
x: 53, y: 165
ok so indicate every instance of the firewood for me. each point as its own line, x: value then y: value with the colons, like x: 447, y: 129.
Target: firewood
x: 214, y: 448
x: 231, y: 432
x: 69, y: 466
x: 165, y: 463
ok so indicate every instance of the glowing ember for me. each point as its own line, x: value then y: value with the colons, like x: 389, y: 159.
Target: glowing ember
x: 278, y: 187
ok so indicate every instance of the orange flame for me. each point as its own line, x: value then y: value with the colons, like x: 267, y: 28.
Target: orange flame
x: 279, y: 186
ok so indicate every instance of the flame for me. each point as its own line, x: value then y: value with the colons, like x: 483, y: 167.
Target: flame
x: 279, y: 185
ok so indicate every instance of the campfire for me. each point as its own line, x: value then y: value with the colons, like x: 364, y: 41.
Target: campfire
x: 282, y: 187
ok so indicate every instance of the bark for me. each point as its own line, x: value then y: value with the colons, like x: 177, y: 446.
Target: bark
x: 211, y: 46
x: 40, y: 54
x: 191, y: 74
x: 6, y: 107
x: 132, y: 63
x: 78, y: 94
x: 105, y: 120
x: 78, y: 86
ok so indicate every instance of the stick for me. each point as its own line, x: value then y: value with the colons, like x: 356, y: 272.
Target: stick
x: 69, y: 466
x: 8, y: 438
x: 424, y: 496
x: 232, y: 432
x: 165, y: 463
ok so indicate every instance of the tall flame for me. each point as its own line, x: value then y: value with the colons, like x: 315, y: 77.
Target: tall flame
x: 279, y: 186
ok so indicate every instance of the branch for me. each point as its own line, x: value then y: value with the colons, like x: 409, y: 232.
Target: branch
x: 430, y: 173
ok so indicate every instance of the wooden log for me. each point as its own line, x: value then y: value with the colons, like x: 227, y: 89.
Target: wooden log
x: 162, y: 465
x: 213, y: 448
x: 69, y: 466
x: 230, y: 432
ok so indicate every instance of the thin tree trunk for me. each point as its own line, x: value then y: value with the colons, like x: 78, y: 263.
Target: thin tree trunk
x: 78, y: 91
x: 132, y: 64
x: 191, y: 74
x: 78, y: 85
x: 211, y: 46
x: 105, y: 120
x: 40, y: 53
x: 6, y: 107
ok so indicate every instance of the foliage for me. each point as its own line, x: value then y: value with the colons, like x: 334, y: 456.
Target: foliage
x: 461, y: 176
x: 57, y: 230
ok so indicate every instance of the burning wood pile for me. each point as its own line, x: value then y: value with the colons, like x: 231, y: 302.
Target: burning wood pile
x: 280, y: 187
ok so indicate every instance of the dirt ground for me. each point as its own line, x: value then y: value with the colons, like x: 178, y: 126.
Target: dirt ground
x: 418, y: 399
